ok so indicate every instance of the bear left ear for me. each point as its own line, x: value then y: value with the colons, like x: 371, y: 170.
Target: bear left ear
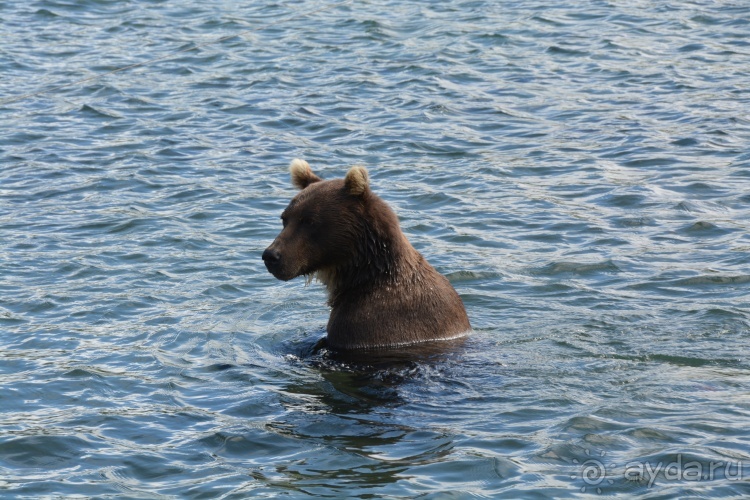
x: 302, y: 174
x: 356, y: 181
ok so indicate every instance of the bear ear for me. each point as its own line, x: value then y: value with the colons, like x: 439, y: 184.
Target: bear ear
x: 302, y: 174
x: 356, y: 181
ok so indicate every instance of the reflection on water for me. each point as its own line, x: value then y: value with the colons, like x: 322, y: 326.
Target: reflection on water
x: 352, y: 405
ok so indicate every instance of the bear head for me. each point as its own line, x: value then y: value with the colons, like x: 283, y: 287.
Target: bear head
x: 321, y: 225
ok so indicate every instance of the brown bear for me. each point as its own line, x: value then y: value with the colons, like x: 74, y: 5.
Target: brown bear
x: 382, y: 292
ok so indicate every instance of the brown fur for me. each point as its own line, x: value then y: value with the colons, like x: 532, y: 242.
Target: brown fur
x: 382, y: 292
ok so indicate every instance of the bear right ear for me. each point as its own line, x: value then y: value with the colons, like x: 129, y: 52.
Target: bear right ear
x: 302, y: 174
x: 356, y: 181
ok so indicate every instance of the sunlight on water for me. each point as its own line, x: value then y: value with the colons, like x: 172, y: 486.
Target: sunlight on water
x: 580, y: 173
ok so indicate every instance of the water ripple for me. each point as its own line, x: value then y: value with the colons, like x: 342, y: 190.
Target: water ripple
x: 580, y: 174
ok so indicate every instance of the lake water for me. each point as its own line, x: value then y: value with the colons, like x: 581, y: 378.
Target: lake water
x: 581, y: 173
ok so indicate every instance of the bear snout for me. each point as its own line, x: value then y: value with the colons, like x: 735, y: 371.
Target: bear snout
x: 272, y: 259
x: 271, y: 256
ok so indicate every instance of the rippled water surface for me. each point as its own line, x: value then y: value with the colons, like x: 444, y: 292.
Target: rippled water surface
x: 580, y: 172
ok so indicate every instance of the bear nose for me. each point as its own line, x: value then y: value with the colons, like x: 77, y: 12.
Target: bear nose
x: 271, y: 256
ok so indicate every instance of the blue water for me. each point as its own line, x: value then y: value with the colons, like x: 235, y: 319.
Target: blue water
x: 581, y: 173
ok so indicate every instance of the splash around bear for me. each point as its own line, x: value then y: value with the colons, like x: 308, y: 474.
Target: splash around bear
x: 381, y: 291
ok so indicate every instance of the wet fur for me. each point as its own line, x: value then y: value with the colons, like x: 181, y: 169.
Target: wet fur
x: 382, y: 292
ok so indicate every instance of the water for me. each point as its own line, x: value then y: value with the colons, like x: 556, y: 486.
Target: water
x: 580, y: 173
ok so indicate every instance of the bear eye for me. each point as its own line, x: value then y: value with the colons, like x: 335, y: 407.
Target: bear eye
x: 284, y: 221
